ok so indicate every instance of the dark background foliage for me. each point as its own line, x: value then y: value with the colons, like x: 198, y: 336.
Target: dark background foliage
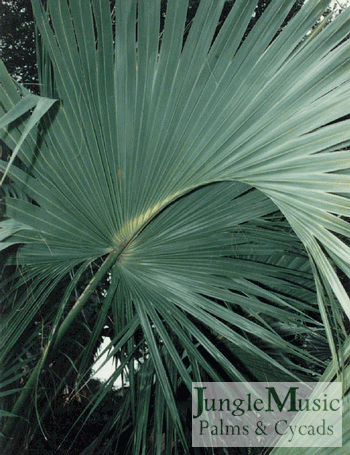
x: 17, y: 41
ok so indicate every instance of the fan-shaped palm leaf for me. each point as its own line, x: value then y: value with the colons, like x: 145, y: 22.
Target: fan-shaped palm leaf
x: 203, y: 182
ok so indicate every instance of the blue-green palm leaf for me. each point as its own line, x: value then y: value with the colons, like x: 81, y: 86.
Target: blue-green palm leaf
x: 197, y: 189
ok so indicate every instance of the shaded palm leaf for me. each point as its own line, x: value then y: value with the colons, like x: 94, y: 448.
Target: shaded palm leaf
x: 198, y: 175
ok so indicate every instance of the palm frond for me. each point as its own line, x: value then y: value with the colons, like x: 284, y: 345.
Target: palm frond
x: 195, y: 188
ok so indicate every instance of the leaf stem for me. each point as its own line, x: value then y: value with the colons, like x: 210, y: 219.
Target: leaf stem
x: 32, y: 381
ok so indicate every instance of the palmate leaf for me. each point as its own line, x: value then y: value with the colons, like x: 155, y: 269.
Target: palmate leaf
x: 203, y: 181
x: 28, y: 101
x: 331, y: 374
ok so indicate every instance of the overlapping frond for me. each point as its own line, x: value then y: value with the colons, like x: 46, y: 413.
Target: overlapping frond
x: 205, y: 180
